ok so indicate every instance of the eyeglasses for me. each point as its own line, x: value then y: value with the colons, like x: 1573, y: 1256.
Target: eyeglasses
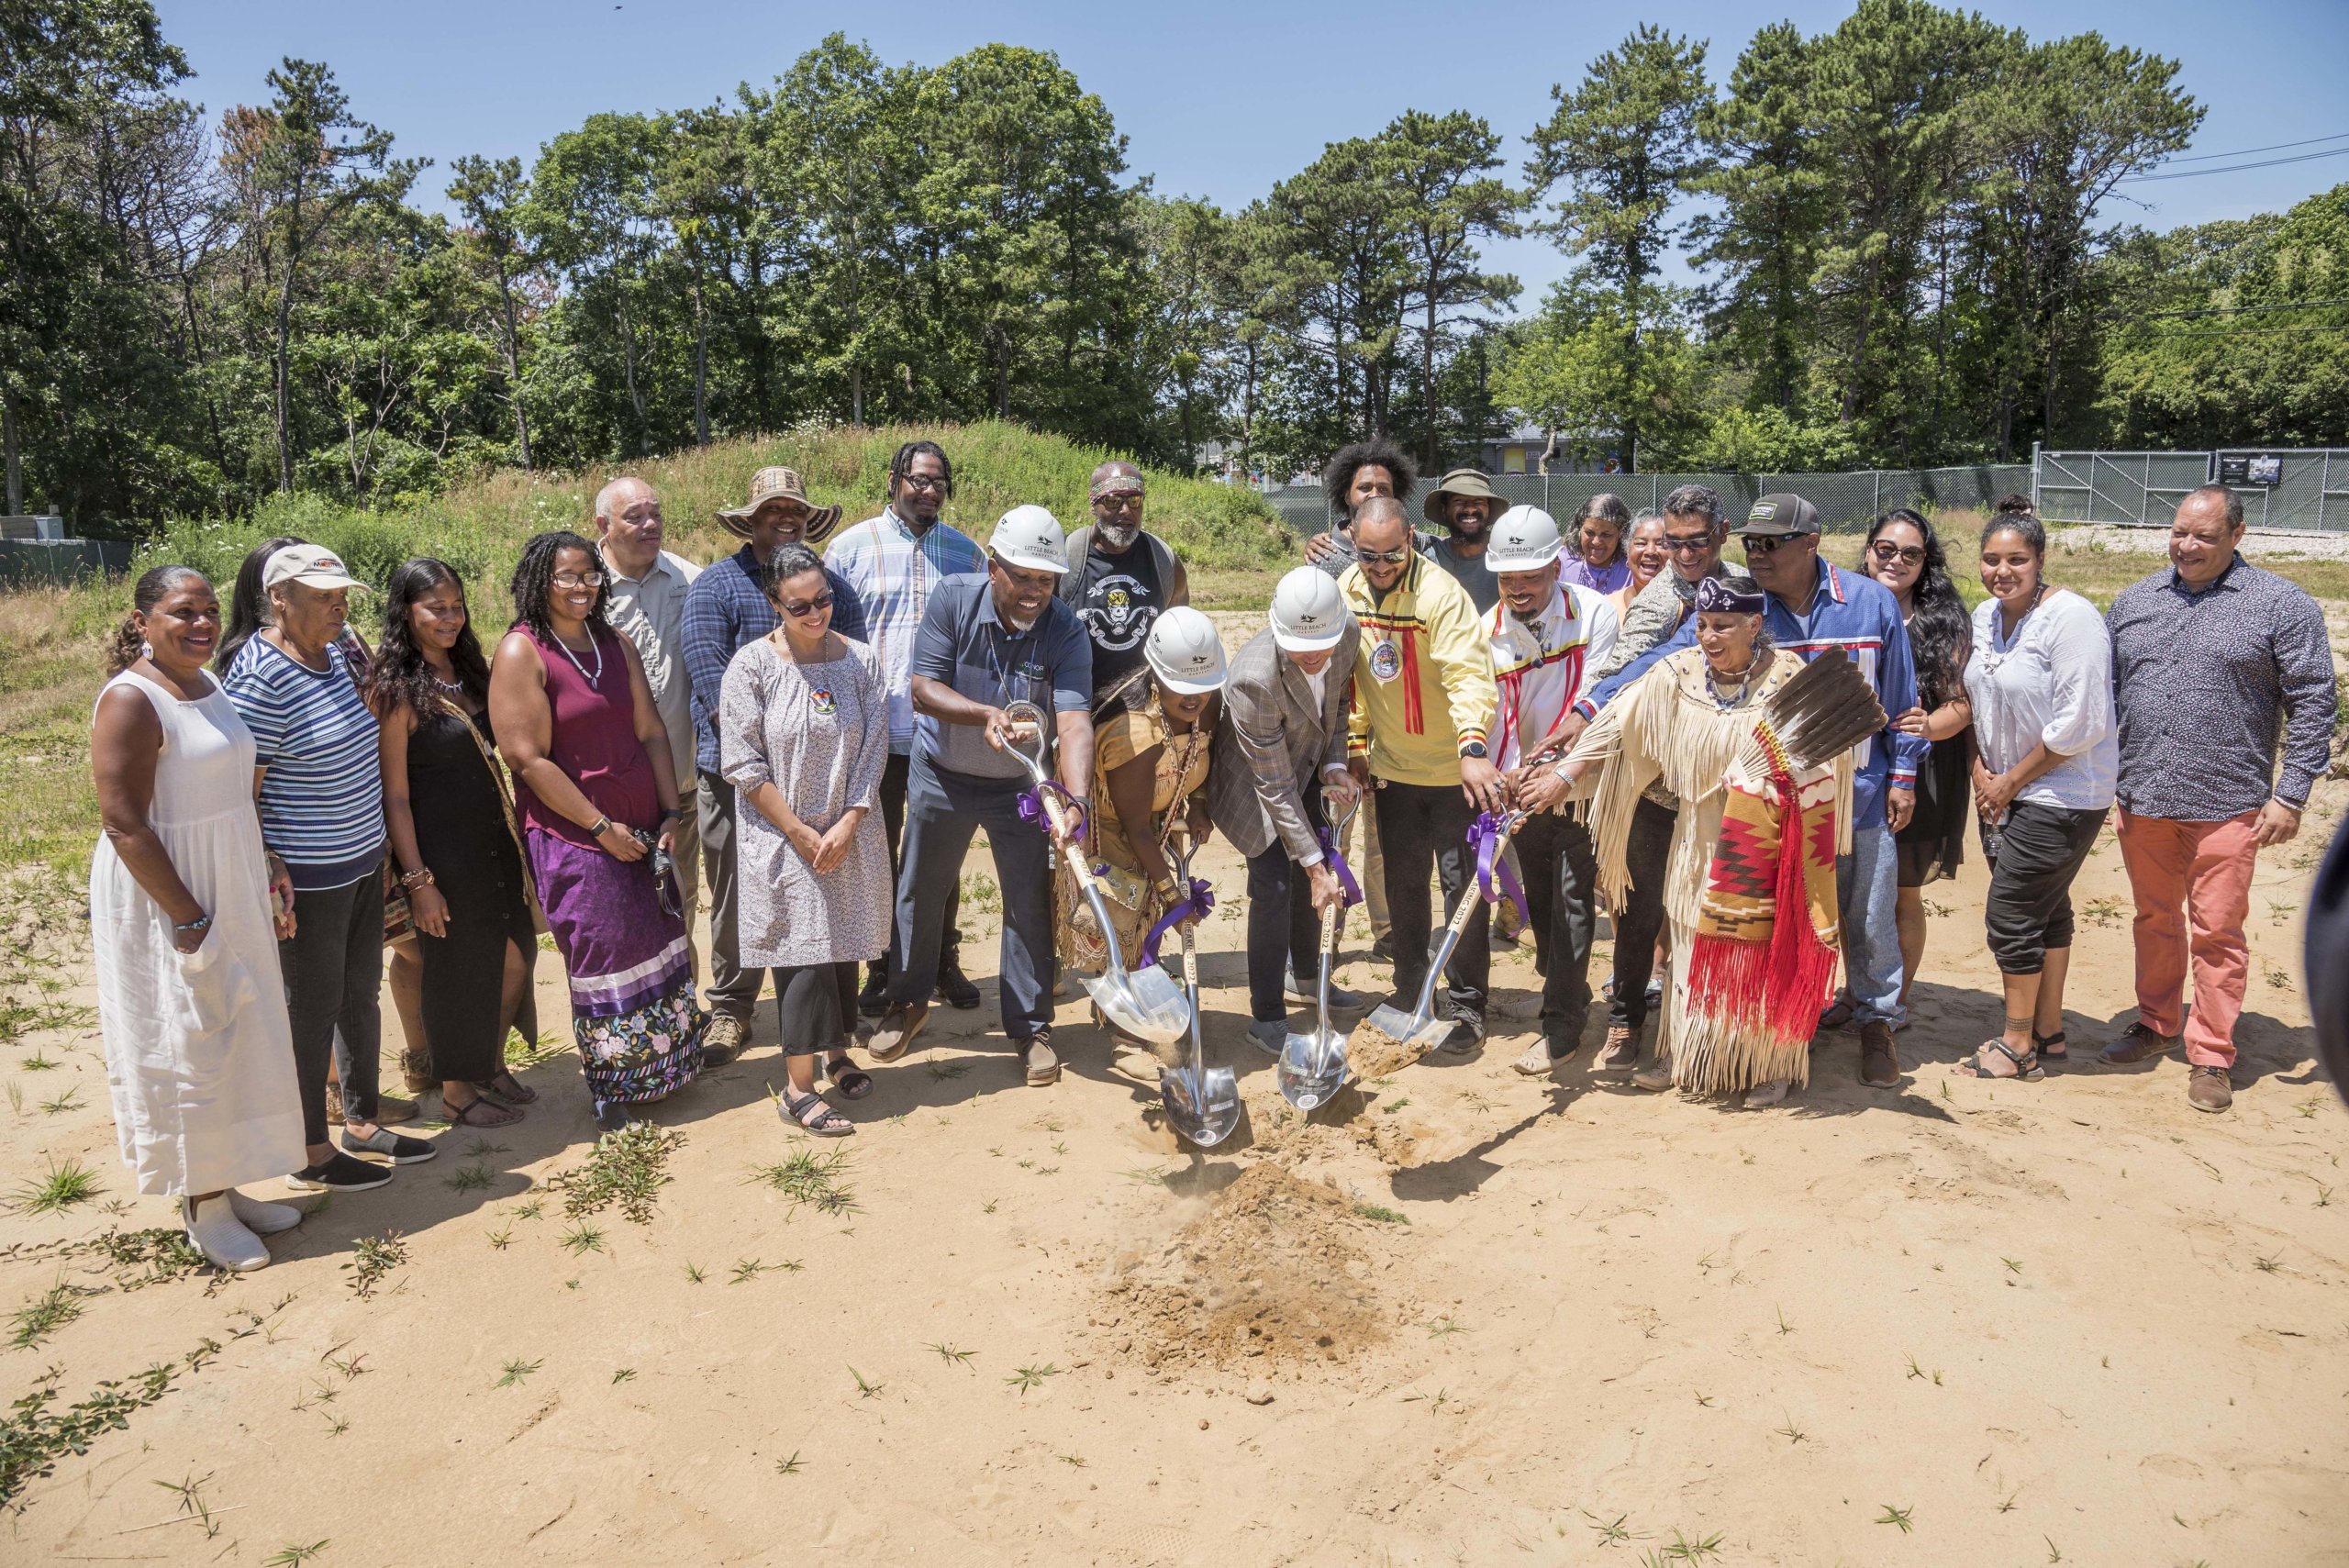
x: 1889, y: 552
x: 924, y: 481
x: 809, y: 607
x: 578, y: 579
x: 1383, y: 557
x: 1121, y: 499
x: 1680, y: 544
x: 1763, y: 544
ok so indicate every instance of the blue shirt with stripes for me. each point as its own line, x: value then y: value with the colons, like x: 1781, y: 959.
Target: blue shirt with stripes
x: 322, y: 797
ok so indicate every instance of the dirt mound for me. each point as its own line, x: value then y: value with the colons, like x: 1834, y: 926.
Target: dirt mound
x: 1351, y: 1123
x: 1277, y: 1271
x: 1372, y: 1053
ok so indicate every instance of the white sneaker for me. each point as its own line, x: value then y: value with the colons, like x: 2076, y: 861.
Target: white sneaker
x: 1762, y: 1096
x: 263, y: 1219
x: 214, y: 1228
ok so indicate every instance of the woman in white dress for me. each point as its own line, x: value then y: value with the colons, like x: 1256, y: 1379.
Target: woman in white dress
x: 803, y: 728
x: 184, y: 921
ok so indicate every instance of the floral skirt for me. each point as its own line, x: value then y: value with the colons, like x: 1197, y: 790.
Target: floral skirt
x: 632, y: 1009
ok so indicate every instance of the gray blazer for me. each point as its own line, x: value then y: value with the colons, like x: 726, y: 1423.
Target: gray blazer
x: 1273, y: 742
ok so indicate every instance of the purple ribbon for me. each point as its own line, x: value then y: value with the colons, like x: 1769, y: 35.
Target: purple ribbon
x: 1346, y: 883
x: 1486, y: 833
x: 1201, y: 900
x: 1031, y: 810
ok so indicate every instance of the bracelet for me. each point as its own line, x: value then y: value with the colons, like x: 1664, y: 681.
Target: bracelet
x: 420, y: 877
x: 198, y: 924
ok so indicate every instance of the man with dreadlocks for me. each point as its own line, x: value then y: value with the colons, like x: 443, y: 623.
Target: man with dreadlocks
x: 894, y: 562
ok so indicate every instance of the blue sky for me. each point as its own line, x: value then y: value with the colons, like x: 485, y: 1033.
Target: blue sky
x: 1217, y: 99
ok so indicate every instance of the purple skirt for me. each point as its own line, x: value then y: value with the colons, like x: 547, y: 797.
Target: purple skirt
x: 632, y: 1005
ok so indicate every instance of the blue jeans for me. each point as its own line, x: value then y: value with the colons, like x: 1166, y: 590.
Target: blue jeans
x: 1868, y: 889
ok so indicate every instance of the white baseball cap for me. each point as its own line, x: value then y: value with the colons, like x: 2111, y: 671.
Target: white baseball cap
x: 1031, y: 538
x: 312, y: 565
x: 1185, y: 654
x: 1524, y: 539
x: 1309, y: 614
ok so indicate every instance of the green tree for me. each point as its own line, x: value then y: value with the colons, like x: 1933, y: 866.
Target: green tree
x: 490, y: 196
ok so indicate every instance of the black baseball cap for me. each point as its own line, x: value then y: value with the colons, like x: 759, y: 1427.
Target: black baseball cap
x: 1782, y: 514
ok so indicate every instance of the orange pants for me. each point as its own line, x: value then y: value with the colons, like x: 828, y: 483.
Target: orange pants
x: 2191, y: 882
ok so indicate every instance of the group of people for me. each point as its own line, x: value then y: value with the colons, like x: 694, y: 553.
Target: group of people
x: 808, y: 733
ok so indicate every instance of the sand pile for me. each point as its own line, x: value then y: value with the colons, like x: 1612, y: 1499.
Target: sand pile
x: 1372, y: 1053
x: 1278, y: 1271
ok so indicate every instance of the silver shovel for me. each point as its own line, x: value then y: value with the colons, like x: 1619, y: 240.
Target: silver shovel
x: 1202, y: 1102
x: 1313, y: 1065
x: 1419, y: 1030
x: 1149, y: 1005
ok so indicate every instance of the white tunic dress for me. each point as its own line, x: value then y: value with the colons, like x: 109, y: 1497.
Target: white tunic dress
x: 199, y: 1055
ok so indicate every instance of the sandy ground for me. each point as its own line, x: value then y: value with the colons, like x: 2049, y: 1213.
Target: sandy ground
x: 1488, y: 1321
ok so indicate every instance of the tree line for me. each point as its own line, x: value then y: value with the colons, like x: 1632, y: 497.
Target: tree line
x: 1898, y: 229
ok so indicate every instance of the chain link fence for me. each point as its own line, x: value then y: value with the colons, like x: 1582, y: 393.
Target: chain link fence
x: 2304, y: 489
x: 1847, y: 503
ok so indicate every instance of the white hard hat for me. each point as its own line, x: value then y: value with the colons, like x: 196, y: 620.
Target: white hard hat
x: 1308, y: 613
x: 1031, y: 537
x: 1185, y: 654
x: 1524, y: 539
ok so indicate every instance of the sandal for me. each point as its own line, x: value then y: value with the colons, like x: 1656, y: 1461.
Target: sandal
x: 853, y: 1083
x: 507, y: 1087
x: 813, y: 1114
x: 2027, y: 1067
x: 490, y: 1113
x: 2050, y: 1047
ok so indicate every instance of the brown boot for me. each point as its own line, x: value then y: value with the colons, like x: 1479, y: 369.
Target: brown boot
x: 2207, y: 1088
x: 723, y: 1041
x: 1621, y: 1051
x: 2137, y: 1044
x: 1879, y: 1062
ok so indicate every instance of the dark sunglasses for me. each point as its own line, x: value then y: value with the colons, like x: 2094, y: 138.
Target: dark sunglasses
x: 1679, y: 546
x: 809, y: 607
x: 1889, y: 552
x: 1383, y: 557
x: 1763, y: 544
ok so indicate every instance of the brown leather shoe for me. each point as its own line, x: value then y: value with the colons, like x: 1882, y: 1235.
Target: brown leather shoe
x: 2137, y: 1044
x: 2207, y: 1088
x: 1879, y: 1062
x: 1621, y: 1051
x: 896, y: 1030
x: 1038, y: 1063
x: 723, y: 1041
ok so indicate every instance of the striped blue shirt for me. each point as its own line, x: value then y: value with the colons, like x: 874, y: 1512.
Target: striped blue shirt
x: 322, y: 798
x: 894, y: 573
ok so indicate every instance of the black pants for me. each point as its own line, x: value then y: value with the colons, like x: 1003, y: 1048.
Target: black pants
x: 1283, y: 931
x: 944, y: 809
x: 333, y: 966
x: 733, y: 990
x: 893, y: 817
x: 1645, y: 852
x: 813, y: 1004
x: 1561, y: 894
x: 2040, y: 849
x: 1423, y: 827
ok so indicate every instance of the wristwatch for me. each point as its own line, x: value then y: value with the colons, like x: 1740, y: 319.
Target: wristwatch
x: 1474, y: 748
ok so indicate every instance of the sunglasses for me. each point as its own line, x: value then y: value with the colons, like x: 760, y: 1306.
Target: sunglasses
x: 922, y: 481
x: 578, y: 579
x: 1763, y: 544
x: 809, y: 607
x: 1383, y: 557
x: 1889, y: 552
x: 1679, y: 545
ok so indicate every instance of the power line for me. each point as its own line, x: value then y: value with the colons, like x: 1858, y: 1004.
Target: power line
x: 2248, y: 151
x: 2233, y: 168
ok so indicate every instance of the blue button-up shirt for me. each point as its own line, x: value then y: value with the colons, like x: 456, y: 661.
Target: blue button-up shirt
x: 725, y: 611
x: 1858, y: 616
x: 894, y: 570
x: 965, y: 645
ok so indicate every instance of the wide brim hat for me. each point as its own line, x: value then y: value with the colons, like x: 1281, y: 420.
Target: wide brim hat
x: 1459, y: 482
x: 780, y: 484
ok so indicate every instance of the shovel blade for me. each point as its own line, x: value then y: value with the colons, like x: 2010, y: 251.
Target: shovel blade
x: 1203, y: 1106
x: 1312, y: 1068
x: 1148, y: 1005
x: 1394, y: 1023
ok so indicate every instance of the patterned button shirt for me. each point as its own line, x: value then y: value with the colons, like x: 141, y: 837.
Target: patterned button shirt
x: 2204, y: 682
x: 894, y: 573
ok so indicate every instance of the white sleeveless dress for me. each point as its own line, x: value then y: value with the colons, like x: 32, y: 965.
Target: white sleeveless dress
x: 199, y: 1055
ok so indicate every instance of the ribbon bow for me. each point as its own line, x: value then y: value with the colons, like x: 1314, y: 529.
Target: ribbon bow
x: 1486, y: 833
x: 1345, y: 873
x: 1031, y: 810
x: 1201, y: 900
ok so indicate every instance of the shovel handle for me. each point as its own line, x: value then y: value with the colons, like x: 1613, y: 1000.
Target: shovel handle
x: 1329, y: 927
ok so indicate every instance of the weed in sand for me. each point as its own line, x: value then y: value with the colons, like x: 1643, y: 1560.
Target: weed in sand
x: 530, y: 1210
x: 1703, y: 1401
x: 2014, y: 1265
x: 1048, y: 1170
x: 1918, y: 1372
x: 372, y: 1259
x: 501, y: 1239
x: 1791, y: 1433
x: 626, y: 1170
x: 292, y: 1556
x: 1060, y: 1149
x: 71, y: 1100
x: 2054, y: 1553
x: 1382, y: 1214
x: 352, y: 1366
x: 516, y: 1371
x: 623, y: 1375
x: 1784, y: 1327
x: 190, y: 1493
x: 466, y: 1179
x: 64, y: 1186
x: 1027, y: 1164
x: 339, y: 1426
x: 788, y: 1466
x: 45, y: 1314
x: 36, y: 1063
x: 582, y: 1238
x: 2323, y: 1194
x: 1148, y: 1175
x: 482, y: 1148
x: 2008, y: 1507
x: 2267, y: 1265
x: 811, y: 1178
x: 1397, y: 1105
x: 952, y: 1356
x: 989, y: 1207
x: 1938, y: 909
x: 1434, y: 1401
x: 1028, y: 1377
x: 33, y: 1437
x: 1892, y: 1516
x: 2278, y: 976
x: 747, y: 1269
x: 864, y: 1388
x: 1444, y: 1328
x: 1684, y: 1550
x: 939, y: 1071
x: 694, y: 1274
x: 15, y: 1097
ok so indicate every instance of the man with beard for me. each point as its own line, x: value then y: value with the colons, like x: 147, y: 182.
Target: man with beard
x: 1120, y: 578
x: 1464, y: 507
x: 896, y: 561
